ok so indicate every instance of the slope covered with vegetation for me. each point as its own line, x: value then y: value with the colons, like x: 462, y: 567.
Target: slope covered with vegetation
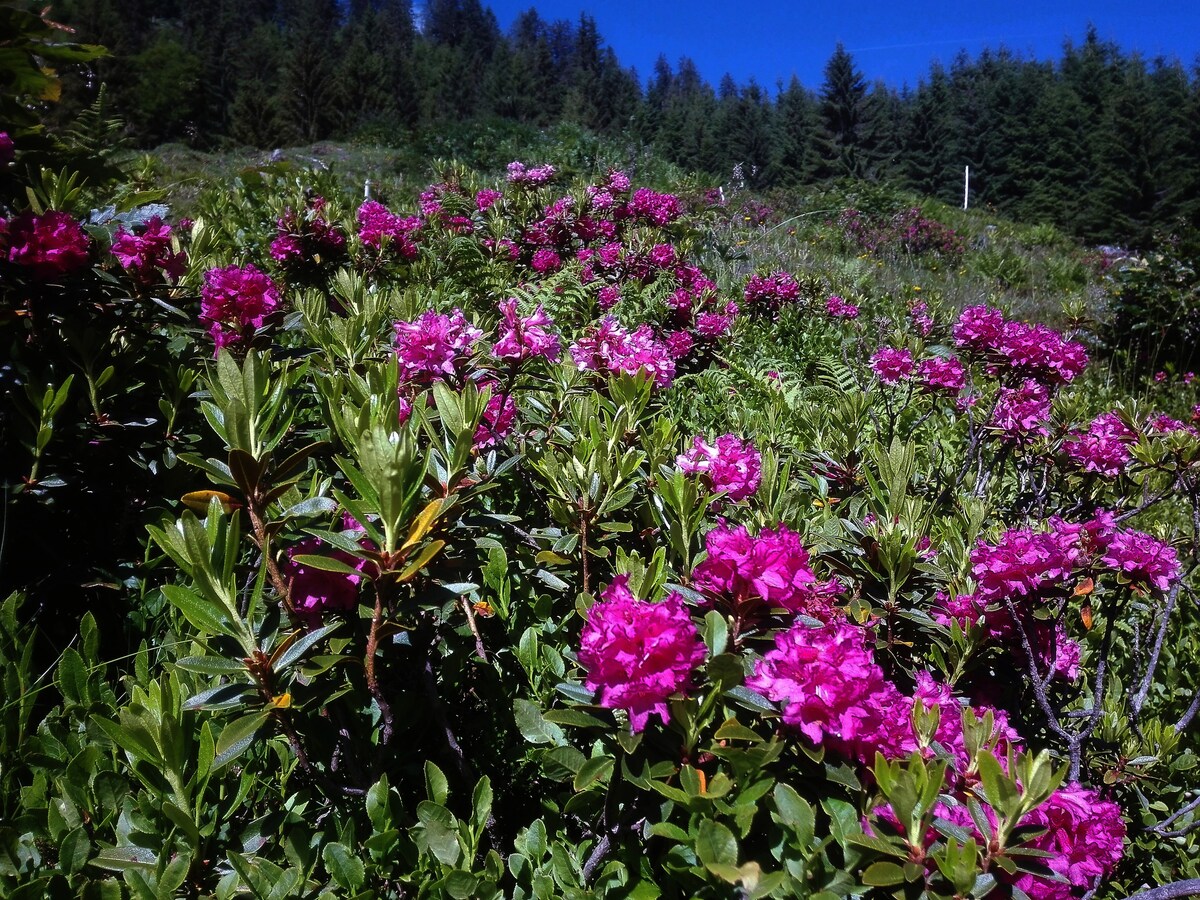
x: 569, y: 529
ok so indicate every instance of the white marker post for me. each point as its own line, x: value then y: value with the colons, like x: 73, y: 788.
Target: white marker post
x: 966, y: 185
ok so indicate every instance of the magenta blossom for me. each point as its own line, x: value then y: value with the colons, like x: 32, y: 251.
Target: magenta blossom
x: 611, y: 348
x: 7, y: 152
x: 637, y: 654
x: 838, y: 308
x: 1104, y: 447
x: 498, y: 418
x: 315, y: 591
x: 942, y: 374
x: 429, y: 347
x: 49, y: 245
x: 772, y: 567
x: 1085, y: 836
x: 824, y: 679
x: 730, y: 465
x: 379, y: 228
x: 892, y: 364
x: 1022, y: 412
x: 1145, y: 561
x: 526, y: 338
x: 235, y: 301
x: 148, y: 253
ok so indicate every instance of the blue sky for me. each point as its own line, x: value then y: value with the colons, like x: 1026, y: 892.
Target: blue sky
x: 895, y: 41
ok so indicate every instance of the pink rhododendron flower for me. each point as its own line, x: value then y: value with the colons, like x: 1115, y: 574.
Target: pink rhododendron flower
x: 942, y: 374
x: 379, y: 228
x: 7, y: 151
x: 730, y: 465
x: 545, y: 260
x: 49, y: 245
x: 1104, y: 447
x: 1025, y: 563
x: 519, y: 173
x: 486, y: 199
x: 1144, y: 560
x: 429, y: 347
x: 892, y: 364
x: 838, y: 308
x: 711, y: 324
x: 1021, y: 413
x: 498, y: 418
x: 1085, y: 837
x: 235, y: 300
x: 147, y: 253
x: 824, y: 678
x: 522, y: 339
x: 1029, y: 351
x: 608, y: 297
x: 662, y: 256
x: 306, y: 238
x: 611, y: 348
x: 979, y: 328
x: 771, y: 292
x: 637, y: 654
x: 658, y: 209
x: 772, y: 567
x: 1164, y: 424
x: 314, y: 591
x: 679, y: 344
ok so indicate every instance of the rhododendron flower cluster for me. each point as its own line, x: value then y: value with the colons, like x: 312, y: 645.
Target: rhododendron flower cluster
x: 1026, y: 563
x: 839, y: 308
x: 831, y: 690
x: 7, y: 151
x: 1163, y: 424
x: 772, y: 567
x: 1085, y: 838
x: 498, y: 417
x: 147, y: 253
x: 940, y: 373
x: 529, y: 176
x: 1104, y: 447
x: 430, y: 347
x: 1024, y: 350
x: 653, y: 207
x: 1144, y: 560
x: 609, y: 347
x: 637, y: 654
x: 729, y: 465
x: 770, y: 293
x: 234, y: 300
x: 1021, y: 413
x: 307, y: 238
x: 824, y: 678
x: 545, y: 261
x: 314, y: 591
x: 49, y: 245
x: 486, y: 199
x: 522, y: 339
x: 891, y: 364
x: 379, y: 228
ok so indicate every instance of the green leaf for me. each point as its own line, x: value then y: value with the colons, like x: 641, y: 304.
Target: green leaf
x: 237, y: 737
x: 883, y: 874
x: 324, y: 563
x: 73, y: 850
x: 533, y: 725
x: 795, y: 812
x: 343, y: 867
x: 211, y: 665
x: 301, y: 643
x: 72, y: 677
x: 598, y: 768
x: 715, y: 844
x: 204, y: 616
x: 437, y: 788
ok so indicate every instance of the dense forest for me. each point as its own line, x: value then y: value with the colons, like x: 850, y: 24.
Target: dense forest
x: 1101, y: 142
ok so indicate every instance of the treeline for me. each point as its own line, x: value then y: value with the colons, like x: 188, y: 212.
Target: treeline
x: 1102, y: 143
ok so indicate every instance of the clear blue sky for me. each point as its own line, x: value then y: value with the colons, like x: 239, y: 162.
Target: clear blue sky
x: 895, y: 41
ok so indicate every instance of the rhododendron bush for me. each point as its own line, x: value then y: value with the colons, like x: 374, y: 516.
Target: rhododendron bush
x: 480, y: 545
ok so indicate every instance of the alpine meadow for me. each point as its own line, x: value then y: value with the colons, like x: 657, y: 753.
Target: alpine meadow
x: 440, y: 462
